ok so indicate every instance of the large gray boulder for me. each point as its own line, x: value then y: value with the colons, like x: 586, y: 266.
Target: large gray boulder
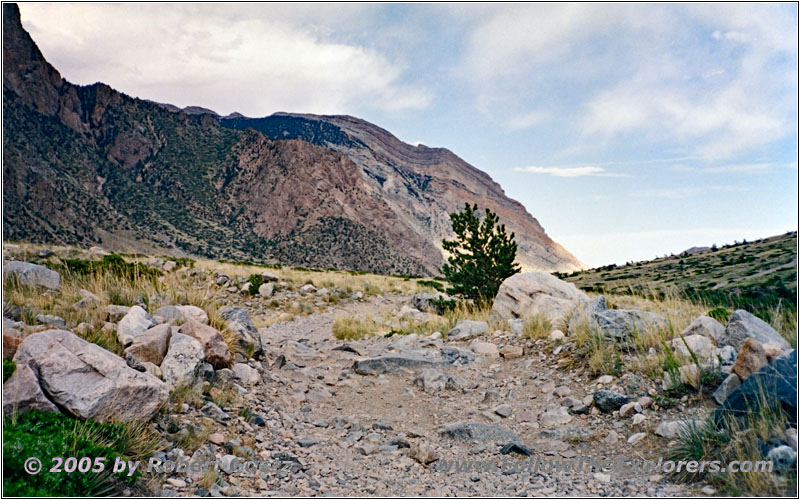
x: 743, y: 325
x: 467, y: 329
x: 183, y: 360
x: 32, y: 274
x: 89, y: 382
x: 22, y: 392
x: 135, y: 322
x: 239, y: 322
x: 620, y: 323
x: 537, y: 293
x: 707, y: 327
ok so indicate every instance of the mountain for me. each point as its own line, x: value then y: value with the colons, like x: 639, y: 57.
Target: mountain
x: 88, y: 165
x: 422, y: 185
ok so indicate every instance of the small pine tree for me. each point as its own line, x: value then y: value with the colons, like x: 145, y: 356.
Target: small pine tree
x: 482, y: 255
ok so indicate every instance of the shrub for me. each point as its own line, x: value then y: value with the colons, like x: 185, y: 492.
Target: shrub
x: 255, y: 281
x: 481, y: 256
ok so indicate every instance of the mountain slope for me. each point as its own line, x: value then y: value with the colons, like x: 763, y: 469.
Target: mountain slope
x: 88, y: 164
x: 422, y: 185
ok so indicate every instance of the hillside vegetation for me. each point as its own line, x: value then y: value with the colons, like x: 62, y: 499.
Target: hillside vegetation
x: 759, y: 276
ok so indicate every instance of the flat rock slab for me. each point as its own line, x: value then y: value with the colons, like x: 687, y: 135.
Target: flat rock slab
x: 395, y: 364
x: 477, y: 431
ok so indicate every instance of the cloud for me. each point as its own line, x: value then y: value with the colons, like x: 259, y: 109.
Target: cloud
x: 583, y: 171
x: 689, y: 192
x: 715, y: 81
x: 255, y: 59
x: 527, y: 120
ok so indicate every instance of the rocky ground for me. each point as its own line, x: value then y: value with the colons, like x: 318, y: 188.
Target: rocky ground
x: 382, y: 415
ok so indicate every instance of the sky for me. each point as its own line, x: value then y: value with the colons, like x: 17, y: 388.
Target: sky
x: 630, y: 131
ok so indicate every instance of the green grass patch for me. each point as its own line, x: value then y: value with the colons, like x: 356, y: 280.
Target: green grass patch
x: 47, y: 435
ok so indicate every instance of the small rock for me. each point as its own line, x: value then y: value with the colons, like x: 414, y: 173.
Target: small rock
x: 609, y: 401
x: 511, y: 352
x: 637, y: 437
x: 503, y: 410
x: 556, y: 335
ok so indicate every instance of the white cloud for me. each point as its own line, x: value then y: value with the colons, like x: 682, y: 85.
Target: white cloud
x: 582, y: 171
x: 255, y: 59
x: 527, y: 120
x: 715, y: 80
x: 689, y: 192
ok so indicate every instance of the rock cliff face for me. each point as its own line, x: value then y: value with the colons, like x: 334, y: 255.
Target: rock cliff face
x: 90, y: 165
x: 422, y: 185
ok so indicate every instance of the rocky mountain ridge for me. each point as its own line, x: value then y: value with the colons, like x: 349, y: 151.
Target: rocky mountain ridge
x: 87, y: 165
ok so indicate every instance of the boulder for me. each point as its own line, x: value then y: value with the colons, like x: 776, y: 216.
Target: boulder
x: 182, y: 363
x: 726, y: 388
x: 22, y: 392
x: 584, y: 313
x: 743, y: 325
x: 467, y: 329
x: 32, y: 274
x: 703, y: 347
x: 707, y: 327
x: 774, y: 385
x: 151, y: 346
x: 89, y: 382
x: 673, y: 429
x: 181, y: 314
x: 395, y: 364
x: 609, y: 401
x: 239, y: 322
x: 536, y: 293
x: 214, y: 346
x: 620, y: 323
x: 750, y: 359
x: 476, y: 431
x: 135, y: 322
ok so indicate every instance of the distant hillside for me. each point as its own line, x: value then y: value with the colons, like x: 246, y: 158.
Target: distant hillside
x: 759, y: 276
